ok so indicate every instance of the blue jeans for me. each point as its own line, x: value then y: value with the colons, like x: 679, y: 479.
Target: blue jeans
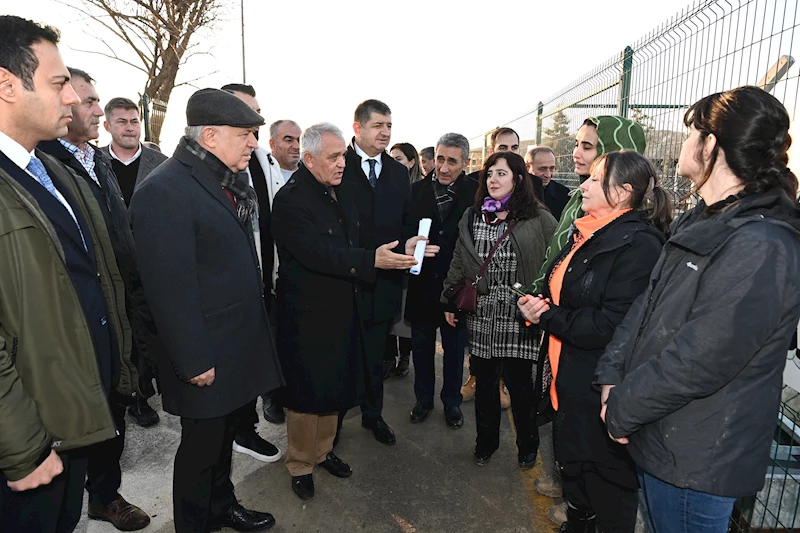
x: 676, y: 510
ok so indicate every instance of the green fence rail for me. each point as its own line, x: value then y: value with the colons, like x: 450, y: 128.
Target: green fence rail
x: 710, y: 46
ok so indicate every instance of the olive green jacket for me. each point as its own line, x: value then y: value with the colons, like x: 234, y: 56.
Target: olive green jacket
x: 51, y: 395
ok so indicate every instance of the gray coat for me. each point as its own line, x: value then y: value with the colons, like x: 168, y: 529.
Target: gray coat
x: 698, y: 360
x: 200, y: 274
x: 529, y: 239
x: 149, y: 160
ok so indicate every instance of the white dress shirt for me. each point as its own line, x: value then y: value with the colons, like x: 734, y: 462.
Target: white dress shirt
x: 21, y: 157
x: 365, y: 163
x: 129, y: 161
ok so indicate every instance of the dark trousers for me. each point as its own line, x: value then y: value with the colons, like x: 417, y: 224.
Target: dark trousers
x: 397, y: 346
x: 518, y: 375
x: 201, y: 487
x: 423, y: 342
x: 52, y: 508
x: 104, y: 474
x: 375, y: 334
x: 593, y: 488
x: 249, y: 419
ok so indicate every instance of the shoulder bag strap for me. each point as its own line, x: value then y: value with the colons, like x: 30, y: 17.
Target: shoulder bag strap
x: 497, y: 244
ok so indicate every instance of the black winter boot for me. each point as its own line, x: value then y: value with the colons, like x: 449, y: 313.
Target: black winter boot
x: 578, y: 521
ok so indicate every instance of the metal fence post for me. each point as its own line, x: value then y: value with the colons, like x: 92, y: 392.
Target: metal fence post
x: 539, y: 111
x: 625, y: 81
x: 145, y: 105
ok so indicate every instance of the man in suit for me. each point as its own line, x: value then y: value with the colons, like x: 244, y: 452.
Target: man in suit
x: 443, y: 197
x: 64, y: 337
x: 323, y: 265
x: 541, y: 162
x: 104, y: 475
x: 194, y: 221
x: 131, y: 161
x: 383, y: 201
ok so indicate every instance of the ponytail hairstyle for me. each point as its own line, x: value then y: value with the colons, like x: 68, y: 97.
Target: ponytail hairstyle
x: 415, y: 172
x: 630, y: 167
x: 752, y: 128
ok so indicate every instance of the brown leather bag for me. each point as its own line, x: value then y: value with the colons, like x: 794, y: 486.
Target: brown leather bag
x: 464, y: 294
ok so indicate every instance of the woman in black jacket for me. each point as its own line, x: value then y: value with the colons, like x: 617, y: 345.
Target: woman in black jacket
x: 603, y: 267
x: 693, y: 376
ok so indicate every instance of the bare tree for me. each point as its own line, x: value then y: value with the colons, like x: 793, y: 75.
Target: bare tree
x: 160, y: 34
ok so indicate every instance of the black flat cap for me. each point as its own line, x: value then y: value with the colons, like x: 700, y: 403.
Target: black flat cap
x: 213, y: 107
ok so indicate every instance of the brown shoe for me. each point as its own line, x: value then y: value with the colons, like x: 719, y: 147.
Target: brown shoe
x: 122, y: 515
x: 468, y: 389
x: 505, y: 398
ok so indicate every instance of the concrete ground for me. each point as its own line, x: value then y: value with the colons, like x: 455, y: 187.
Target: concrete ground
x: 426, y: 483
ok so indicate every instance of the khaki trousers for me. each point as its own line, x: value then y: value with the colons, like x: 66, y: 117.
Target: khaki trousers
x: 310, y: 438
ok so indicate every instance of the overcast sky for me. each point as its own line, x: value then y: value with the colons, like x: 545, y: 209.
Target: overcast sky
x: 440, y: 65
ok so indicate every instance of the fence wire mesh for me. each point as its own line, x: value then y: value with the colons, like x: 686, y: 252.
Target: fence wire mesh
x: 711, y: 46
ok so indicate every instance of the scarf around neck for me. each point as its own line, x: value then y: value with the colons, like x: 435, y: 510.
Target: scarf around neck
x: 238, y: 184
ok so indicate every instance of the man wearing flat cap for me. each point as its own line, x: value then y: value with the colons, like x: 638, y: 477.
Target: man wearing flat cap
x: 193, y: 221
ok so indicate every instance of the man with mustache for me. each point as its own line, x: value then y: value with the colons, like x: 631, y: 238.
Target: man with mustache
x: 104, y: 475
x: 65, y: 341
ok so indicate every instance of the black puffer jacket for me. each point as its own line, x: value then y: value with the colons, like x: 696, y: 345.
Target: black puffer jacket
x: 698, y: 361
x: 603, y: 279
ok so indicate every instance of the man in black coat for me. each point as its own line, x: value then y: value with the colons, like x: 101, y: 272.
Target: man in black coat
x: 323, y: 265
x: 193, y: 221
x: 541, y: 162
x: 383, y: 199
x: 104, y: 474
x: 443, y: 197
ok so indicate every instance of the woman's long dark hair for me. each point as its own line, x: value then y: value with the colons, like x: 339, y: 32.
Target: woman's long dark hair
x: 415, y: 172
x: 752, y: 128
x: 630, y: 167
x: 522, y: 204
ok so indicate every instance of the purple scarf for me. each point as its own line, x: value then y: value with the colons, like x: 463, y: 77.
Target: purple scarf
x: 490, y: 205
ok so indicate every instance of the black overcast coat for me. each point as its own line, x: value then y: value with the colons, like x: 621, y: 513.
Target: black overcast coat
x: 603, y: 278
x: 424, y: 291
x: 321, y: 268
x: 385, y: 216
x: 200, y: 274
x: 698, y: 362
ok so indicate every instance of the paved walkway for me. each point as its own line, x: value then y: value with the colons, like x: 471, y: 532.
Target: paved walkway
x: 426, y: 483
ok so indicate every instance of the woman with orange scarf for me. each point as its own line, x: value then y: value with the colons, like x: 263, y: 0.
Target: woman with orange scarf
x: 589, y: 288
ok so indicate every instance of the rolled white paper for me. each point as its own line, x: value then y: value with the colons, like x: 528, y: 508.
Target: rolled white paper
x: 419, y: 251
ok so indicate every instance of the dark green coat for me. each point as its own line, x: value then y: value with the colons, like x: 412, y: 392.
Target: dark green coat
x: 50, y: 388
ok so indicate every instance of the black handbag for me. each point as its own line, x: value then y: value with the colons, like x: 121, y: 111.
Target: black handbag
x: 464, y: 294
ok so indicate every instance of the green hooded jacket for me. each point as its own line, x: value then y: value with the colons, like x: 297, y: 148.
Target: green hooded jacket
x: 51, y: 395
x: 613, y: 135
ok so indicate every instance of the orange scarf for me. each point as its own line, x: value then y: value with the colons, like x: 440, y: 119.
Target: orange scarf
x: 586, y: 227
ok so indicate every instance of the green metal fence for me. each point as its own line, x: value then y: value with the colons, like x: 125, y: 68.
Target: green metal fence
x: 710, y: 46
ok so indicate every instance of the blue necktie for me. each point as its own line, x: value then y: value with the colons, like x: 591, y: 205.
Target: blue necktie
x: 36, y: 168
x: 373, y: 178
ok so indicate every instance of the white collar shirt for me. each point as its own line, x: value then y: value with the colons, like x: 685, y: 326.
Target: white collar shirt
x: 365, y: 163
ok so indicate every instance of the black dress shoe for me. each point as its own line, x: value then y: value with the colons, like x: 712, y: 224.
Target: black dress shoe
x: 420, y: 413
x: 303, y: 486
x: 383, y: 433
x: 336, y: 466
x: 402, y: 367
x: 482, y: 459
x: 241, y: 519
x: 453, y: 417
x: 273, y: 412
x: 142, y: 413
x: 527, y: 461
